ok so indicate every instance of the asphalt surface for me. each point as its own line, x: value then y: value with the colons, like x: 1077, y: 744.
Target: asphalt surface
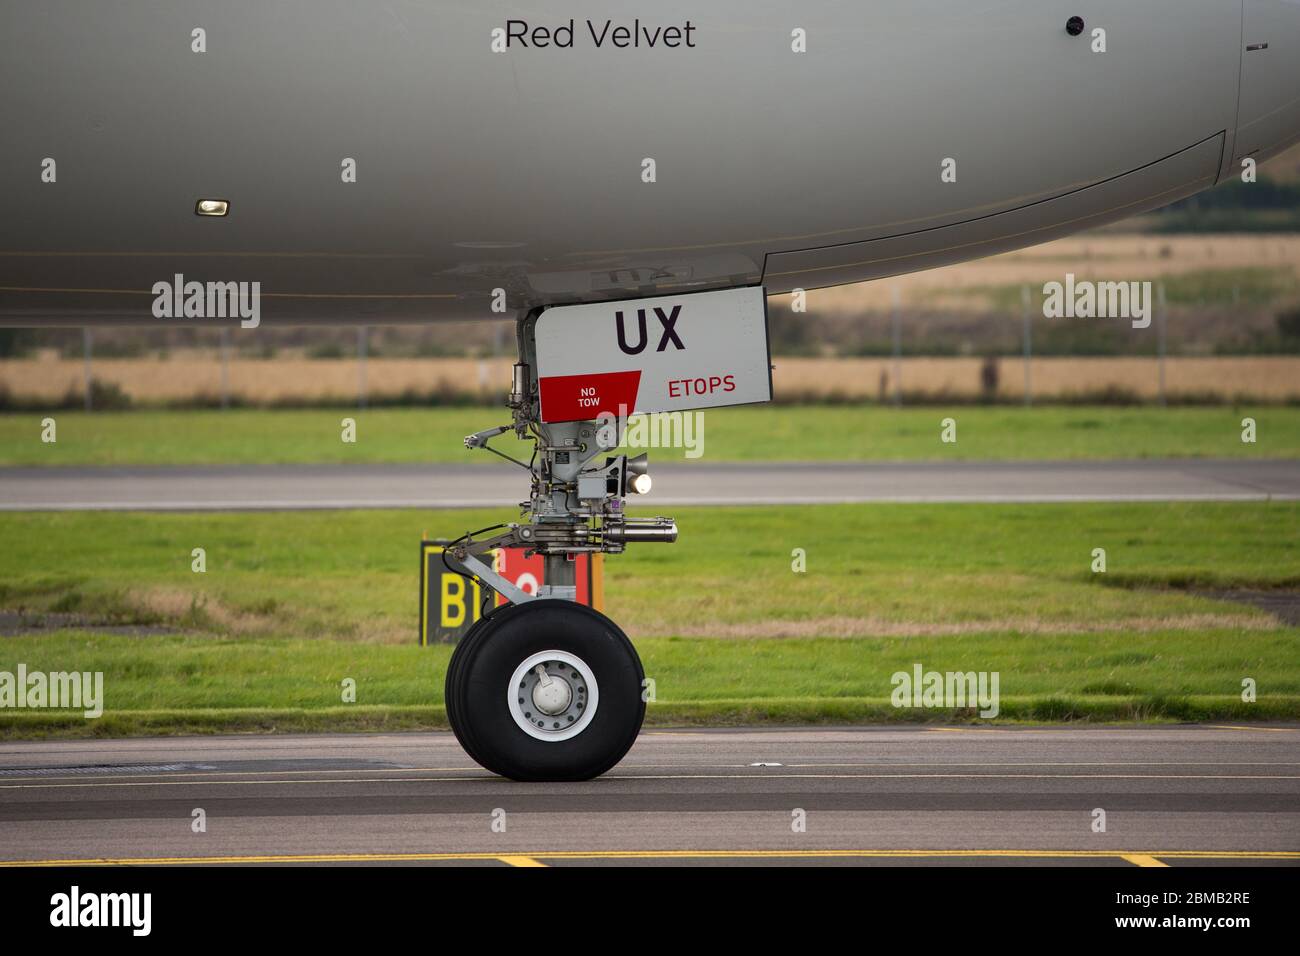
x: 1179, y: 796
x: 281, y: 487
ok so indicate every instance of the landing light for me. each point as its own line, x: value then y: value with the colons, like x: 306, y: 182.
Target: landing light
x: 211, y: 207
x: 635, y: 476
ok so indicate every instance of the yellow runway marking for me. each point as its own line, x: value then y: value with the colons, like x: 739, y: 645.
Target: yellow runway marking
x: 520, y: 861
x: 224, y: 783
x: 1141, y: 859
x: 543, y: 855
x: 1074, y: 764
x: 961, y: 730
x: 667, y: 776
x: 169, y: 776
x: 1267, y: 730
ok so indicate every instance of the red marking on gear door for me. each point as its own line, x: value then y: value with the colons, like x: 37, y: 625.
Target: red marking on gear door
x: 577, y: 398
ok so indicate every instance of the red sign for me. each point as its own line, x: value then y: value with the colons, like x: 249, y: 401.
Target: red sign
x: 527, y: 573
x: 580, y: 398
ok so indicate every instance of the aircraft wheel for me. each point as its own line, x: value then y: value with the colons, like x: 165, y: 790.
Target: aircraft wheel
x: 452, y: 688
x: 545, y: 690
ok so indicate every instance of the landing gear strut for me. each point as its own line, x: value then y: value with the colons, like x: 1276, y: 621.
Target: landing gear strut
x: 544, y: 688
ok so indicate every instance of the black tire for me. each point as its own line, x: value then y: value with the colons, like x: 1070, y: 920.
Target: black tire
x: 452, y: 688
x: 480, y: 673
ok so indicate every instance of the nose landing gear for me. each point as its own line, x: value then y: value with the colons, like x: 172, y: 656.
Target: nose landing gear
x: 544, y: 688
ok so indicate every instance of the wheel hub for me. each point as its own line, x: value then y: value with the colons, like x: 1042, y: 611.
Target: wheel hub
x: 553, y: 695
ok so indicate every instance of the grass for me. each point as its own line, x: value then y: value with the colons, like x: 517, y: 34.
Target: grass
x: 873, y: 569
x: 293, y: 603
x: 203, y: 684
x: 789, y: 433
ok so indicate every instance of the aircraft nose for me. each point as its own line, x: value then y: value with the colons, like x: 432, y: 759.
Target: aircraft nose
x: 1268, y: 118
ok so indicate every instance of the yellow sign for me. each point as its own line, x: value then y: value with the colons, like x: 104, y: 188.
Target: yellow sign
x: 451, y: 603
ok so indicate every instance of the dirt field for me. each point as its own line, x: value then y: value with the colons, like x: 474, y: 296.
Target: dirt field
x: 153, y: 381
x: 1273, y: 378
x: 189, y: 375
x: 1091, y: 256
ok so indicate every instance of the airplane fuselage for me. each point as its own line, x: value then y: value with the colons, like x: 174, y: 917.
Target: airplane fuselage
x: 412, y: 161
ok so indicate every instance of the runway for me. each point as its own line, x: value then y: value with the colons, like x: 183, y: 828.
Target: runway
x: 293, y: 487
x: 1171, y: 795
